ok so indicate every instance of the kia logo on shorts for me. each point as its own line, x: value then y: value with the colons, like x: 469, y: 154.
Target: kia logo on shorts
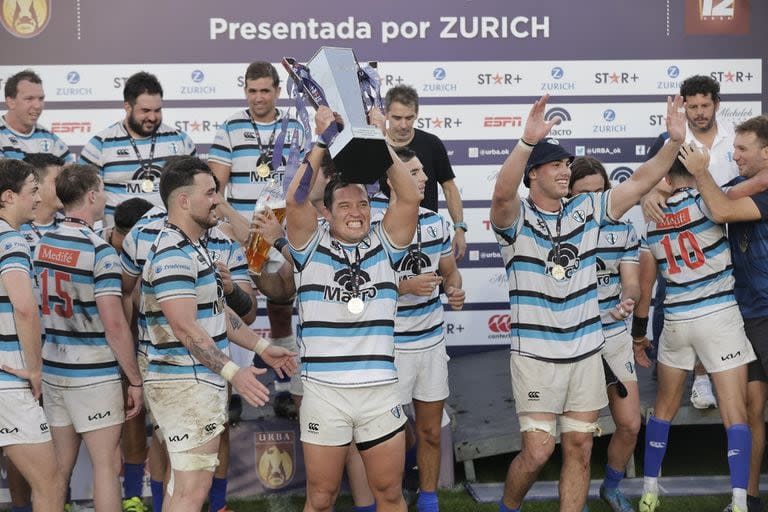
x: 500, y: 323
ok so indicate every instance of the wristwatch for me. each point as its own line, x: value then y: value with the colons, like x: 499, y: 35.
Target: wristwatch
x: 280, y: 243
x: 460, y: 225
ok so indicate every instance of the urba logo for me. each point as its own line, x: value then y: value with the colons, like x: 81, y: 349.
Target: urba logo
x: 25, y: 18
x: 717, y: 17
x: 275, y: 453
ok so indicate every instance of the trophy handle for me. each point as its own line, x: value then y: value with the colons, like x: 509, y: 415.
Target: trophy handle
x: 313, y: 92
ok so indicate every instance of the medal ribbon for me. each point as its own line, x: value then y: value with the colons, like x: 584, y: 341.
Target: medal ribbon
x: 554, y: 241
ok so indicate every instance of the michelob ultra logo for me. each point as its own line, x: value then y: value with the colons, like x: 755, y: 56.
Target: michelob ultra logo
x: 25, y: 18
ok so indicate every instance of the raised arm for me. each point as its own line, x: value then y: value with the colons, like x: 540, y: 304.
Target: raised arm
x: 401, y: 217
x: 628, y: 193
x: 721, y: 207
x: 505, y: 203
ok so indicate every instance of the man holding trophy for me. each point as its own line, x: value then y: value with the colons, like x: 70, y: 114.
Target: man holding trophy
x: 347, y: 295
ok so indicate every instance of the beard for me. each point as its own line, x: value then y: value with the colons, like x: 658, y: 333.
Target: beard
x: 206, y: 221
x: 138, y: 127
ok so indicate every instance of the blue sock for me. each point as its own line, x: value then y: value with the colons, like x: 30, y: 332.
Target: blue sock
x: 612, y: 477
x: 25, y: 508
x: 133, y: 478
x: 410, y: 458
x: 739, y: 452
x: 427, y: 501
x: 504, y: 508
x: 367, y: 508
x: 157, y: 494
x: 656, y: 436
x: 217, y: 498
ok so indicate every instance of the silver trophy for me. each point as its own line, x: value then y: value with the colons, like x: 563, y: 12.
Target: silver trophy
x: 333, y: 77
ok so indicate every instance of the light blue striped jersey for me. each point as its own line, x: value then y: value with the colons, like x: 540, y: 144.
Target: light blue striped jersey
x: 419, y: 320
x: 16, y: 146
x: 177, y: 269
x: 618, y: 244
x: 74, y: 267
x: 111, y: 151
x: 32, y: 232
x: 339, y: 348
x: 551, y: 319
x: 237, y: 147
x: 14, y: 257
x: 694, y: 257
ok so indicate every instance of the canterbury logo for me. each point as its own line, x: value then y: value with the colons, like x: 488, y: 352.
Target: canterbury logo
x: 534, y: 395
x: 500, y: 323
x: 313, y: 427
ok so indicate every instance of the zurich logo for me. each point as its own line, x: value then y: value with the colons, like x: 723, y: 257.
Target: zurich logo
x: 557, y: 73
x: 609, y: 115
x: 198, y: 76
x: 73, y: 77
x: 673, y: 71
x: 438, y: 74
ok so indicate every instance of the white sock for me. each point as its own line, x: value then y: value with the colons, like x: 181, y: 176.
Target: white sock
x: 699, y: 378
x: 740, y: 498
x: 650, y: 484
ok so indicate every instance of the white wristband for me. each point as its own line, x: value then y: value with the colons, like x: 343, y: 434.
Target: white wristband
x: 261, y: 346
x: 229, y: 370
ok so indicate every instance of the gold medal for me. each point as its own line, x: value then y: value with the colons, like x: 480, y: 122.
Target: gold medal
x: 263, y: 170
x: 355, y: 305
x: 147, y: 186
x: 558, y: 272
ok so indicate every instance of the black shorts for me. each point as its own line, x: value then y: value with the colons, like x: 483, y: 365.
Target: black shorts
x: 757, y: 332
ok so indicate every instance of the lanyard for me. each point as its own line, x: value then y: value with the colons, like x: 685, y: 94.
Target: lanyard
x: 204, y: 254
x: 416, y: 254
x: 146, y: 166
x: 264, y: 156
x: 554, y: 241
x: 75, y: 220
x: 354, y: 268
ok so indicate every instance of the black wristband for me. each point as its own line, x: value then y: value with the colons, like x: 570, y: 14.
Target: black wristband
x: 132, y: 385
x: 639, y: 326
x: 239, y: 301
x: 280, y: 243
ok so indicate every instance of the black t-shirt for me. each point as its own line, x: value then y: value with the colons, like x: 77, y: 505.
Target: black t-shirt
x: 432, y: 154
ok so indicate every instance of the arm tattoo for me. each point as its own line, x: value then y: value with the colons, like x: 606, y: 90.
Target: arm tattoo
x: 207, y: 353
x: 234, y: 321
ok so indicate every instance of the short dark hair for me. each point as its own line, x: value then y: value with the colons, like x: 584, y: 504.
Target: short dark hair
x: 13, y: 174
x: 335, y: 183
x: 74, y: 181
x: 404, y: 94
x: 180, y: 172
x: 261, y: 69
x: 129, y: 212
x: 757, y: 125
x: 141, y: 83
x: 700, y: 84
x: 405, y: 154
x: 584, y: 166
x: 42, y: 161
x: 678, y: 169
x: 12, y: 84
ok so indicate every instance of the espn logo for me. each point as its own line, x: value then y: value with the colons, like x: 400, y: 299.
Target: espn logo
x: 71, y: 127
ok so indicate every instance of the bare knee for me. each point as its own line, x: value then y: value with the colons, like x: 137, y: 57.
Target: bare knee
x: 536, y: 454
x: 577, y: 446
x: 629, y: 426
x: 429, y: 434
x: 321, y: 498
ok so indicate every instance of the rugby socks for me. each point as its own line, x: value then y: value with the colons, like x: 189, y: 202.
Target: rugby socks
x: 504, y: 508
x: 427, y: 501
x: 739, y: 451
x: 25, y: 508
x: 217, y: 497
x: 157, y: 494
x: 133, y: 476
x: 612, y: 477
x: 367, y: 508
x: 656, y: 436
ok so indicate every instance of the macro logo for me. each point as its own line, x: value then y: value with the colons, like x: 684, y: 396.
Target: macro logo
x: 673, y: 71
x: 73, y: 77
x: 500, y: 324
x: 197, y: 76
x: 621, y: 174
x: 559, y: 130
x: 439, y: 74
x: 556, y: 83
x: 717, y: 17
x: 25, y: 18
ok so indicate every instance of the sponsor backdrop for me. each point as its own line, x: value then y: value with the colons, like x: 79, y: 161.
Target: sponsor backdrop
x: 477, y: 66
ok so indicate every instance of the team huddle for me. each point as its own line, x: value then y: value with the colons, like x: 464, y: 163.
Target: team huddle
x: 129, y: 265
